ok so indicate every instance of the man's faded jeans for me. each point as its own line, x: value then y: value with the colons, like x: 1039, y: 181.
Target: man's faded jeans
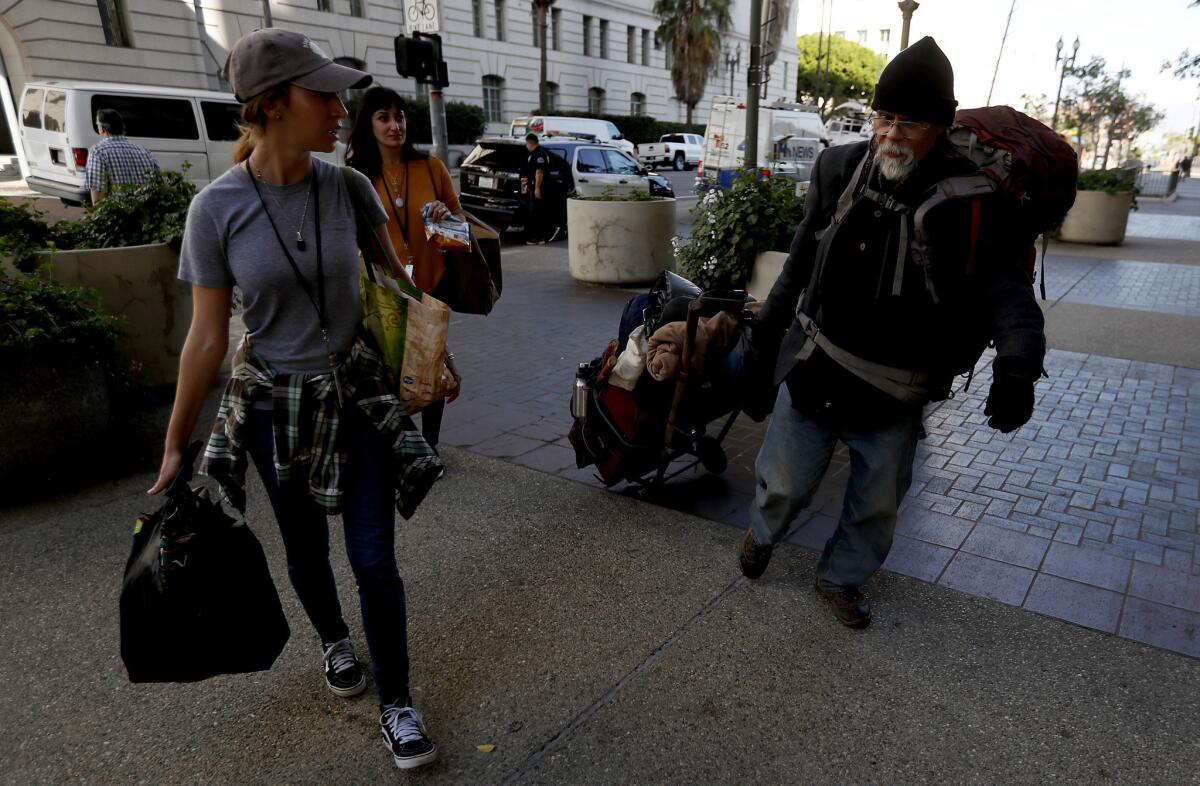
x: 790, y: 465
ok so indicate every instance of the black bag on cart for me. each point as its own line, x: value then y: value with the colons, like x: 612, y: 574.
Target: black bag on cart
x: 197, y: 598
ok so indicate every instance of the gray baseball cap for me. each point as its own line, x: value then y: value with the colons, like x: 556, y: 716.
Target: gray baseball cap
x: 274, y: 56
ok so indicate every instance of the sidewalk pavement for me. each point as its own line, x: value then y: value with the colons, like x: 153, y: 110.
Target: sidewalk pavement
x: 591, y: 638
x: 595, y: 638
x: 1089, y: 513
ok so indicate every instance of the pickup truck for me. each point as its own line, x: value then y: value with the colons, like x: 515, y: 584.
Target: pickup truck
x: 678, y: 150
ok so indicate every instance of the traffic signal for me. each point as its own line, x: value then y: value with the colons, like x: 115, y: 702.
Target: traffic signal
x: 420, y: 57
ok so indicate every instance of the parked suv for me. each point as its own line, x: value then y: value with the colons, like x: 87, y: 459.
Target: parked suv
x: 490, y: 177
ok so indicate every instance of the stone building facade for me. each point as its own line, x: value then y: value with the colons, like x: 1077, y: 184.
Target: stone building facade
x: 601, y: 55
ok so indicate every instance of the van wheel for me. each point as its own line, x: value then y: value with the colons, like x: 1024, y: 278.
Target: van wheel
x: 680, y: 162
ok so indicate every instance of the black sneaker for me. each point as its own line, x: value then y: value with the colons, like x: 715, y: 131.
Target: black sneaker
x: 752, y: 556
x: 344, y: 674
x: 404, y: 734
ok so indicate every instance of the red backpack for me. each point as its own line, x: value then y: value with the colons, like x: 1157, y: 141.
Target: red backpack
x: 1023, y: 158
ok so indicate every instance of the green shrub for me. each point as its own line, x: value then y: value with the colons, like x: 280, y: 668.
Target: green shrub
x: 464, y: 122
x: 730, y: 228
x: 23, y: 233
x: 132, y: 214
x: 1110, y: 181
x: 54, y: 319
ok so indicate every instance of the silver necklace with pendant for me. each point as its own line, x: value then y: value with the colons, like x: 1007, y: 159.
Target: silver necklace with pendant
x: 300, y: 244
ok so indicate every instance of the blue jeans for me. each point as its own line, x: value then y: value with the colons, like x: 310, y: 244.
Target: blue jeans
x: 369, y: 526
x: 793, y: 459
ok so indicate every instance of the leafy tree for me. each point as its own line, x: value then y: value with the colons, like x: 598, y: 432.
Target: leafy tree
x: 1187, y: 65
x: 692, y: 29
x: 848, y: 71
x: 542, y: 7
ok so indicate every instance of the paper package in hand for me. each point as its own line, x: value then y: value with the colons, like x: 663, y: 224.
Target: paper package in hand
x: 449, y: 234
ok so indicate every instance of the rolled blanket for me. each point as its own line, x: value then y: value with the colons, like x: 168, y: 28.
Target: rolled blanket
x: 714, y: 336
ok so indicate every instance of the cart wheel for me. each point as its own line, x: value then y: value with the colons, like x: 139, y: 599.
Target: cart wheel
x: 711, y: 455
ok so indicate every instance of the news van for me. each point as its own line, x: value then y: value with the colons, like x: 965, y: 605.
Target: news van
x: 790, y: 136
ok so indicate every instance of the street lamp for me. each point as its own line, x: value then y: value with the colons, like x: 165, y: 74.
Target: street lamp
x: 1067, y: 64
x: 906, y: 8
x: 732, y: 63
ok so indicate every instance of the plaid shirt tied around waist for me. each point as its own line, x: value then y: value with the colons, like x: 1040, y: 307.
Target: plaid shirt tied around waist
x: 306, y: 419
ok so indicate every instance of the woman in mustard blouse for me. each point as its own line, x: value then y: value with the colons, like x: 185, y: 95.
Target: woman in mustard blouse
x: 406, y: 180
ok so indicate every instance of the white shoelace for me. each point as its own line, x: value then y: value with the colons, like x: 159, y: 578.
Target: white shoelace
x: 341, y: 656
x: 404, y: 723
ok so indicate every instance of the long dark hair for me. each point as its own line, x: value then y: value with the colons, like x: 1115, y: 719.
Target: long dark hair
x: 363, y: 151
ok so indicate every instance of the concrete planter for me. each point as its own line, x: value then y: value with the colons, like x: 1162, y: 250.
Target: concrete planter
x: 51, y: 409
x: 1097, y: 218
x: 619, y: 242
x: 767, y: 267
x: 139, y: 283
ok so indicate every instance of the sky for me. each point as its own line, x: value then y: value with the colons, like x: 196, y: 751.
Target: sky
x: 1139, y: 35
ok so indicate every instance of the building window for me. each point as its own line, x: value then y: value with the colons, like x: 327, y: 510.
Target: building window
x: 840, y: 33
x: 112, y: 19
x: 631, y: 44
x: 551, y: 97
x: 537, y: 29
x: 555, y: 23
x: 595, y: 101
x: 645, y: 47
x: 637, y: 104
x: 862, y: 36
x: 493, y: 98
x: 477, y: 17
x: 885, y: 35
x: 604, y: 39
x: 325, y: 5
x: 587, y: 36
x: 358, y: 8
x: 499, y: 20
x: 667, y: 57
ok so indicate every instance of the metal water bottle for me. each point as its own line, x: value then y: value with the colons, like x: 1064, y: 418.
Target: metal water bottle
x: 579, y: 395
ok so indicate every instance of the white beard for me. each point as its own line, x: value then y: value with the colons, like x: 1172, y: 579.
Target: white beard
x: 896, y: 169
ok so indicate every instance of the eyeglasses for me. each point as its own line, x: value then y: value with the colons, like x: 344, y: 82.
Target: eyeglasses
x: 908, y: 128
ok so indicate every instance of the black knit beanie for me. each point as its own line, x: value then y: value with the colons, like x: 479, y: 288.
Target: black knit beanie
x: 919, y: 84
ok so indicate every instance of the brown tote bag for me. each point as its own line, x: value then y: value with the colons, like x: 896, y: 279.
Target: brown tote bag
x: 473, y: 279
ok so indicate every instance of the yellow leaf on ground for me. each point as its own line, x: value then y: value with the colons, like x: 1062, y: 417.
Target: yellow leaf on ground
x: 488, y: 748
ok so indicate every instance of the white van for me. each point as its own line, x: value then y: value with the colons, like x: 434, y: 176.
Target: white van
x: 545, y: 125
x: 176, y: 125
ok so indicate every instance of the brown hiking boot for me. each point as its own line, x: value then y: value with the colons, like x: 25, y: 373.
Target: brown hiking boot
x: 849, y: 605
x: 752, y: 556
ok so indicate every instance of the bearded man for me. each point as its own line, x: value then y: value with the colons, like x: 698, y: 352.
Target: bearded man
x: 871, y: 322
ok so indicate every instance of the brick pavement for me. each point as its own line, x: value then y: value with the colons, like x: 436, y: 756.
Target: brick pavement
x: 1089, y: 513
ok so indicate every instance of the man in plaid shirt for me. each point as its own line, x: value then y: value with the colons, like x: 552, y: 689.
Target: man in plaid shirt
x: 115, y: 160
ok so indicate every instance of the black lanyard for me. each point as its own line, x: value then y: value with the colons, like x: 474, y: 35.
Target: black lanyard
x: 318, y: 302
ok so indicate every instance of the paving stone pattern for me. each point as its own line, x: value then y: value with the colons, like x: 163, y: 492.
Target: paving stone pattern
x: 1088, y: 513
x: 1163, y: 226
x: 1142, y: 286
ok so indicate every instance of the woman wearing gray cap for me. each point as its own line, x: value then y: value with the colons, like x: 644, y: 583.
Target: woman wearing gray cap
x: 306, y: 401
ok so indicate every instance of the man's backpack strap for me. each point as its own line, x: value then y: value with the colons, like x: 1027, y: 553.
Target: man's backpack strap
x: 952, y: 188
x: 911, y: 387
x: 846, y: 200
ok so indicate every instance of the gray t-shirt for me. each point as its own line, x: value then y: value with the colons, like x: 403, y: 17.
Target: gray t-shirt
x: 228, y: 240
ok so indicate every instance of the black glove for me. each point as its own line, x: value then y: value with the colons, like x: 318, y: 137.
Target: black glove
x: 1010, y: 399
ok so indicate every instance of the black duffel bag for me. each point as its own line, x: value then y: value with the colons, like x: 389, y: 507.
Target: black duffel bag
x: 197, y: 599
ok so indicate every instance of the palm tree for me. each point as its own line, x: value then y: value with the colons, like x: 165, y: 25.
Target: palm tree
x: 543, y: 12
x: 691, y: 28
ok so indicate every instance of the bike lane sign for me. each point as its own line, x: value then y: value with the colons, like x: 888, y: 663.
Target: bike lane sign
x: 422, y: 16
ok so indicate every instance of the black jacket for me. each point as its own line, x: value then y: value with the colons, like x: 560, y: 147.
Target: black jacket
x: 853, y: 299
